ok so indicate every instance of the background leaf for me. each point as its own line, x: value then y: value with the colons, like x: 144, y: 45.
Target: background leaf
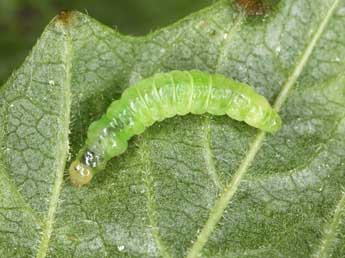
x: 154, y: 200
x: 21, y: 21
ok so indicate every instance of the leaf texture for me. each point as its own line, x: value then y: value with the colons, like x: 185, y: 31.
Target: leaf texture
x: 193, y: 186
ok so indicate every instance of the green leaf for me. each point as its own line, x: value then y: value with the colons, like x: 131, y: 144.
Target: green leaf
x: 193, y: 186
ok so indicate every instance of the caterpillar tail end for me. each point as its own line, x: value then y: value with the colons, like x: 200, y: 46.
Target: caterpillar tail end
x: 276, y: 124
x: 80, y: 174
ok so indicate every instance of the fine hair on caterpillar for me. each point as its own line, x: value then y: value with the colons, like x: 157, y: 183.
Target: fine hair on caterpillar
x: 162, y: 96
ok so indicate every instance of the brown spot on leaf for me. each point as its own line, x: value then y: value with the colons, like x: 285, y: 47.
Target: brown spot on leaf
x: 253, y: 7
x: 64, y: 16
x: 72, y: 238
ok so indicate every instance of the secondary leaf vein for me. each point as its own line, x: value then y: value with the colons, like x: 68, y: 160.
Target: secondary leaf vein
x: 208, y: 156
x: 331, y: 230
x: 151, y: 202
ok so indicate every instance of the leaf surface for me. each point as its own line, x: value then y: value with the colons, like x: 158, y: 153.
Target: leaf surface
x: 196, y: 186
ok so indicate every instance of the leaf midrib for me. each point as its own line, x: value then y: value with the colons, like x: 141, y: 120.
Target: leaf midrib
x: 62, y: 146
x: 221, y: 204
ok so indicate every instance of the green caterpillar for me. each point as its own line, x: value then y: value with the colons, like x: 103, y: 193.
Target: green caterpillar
x: 166, y: 95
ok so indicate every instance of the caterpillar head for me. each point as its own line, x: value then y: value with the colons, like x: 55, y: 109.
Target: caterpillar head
x: 80, y: 174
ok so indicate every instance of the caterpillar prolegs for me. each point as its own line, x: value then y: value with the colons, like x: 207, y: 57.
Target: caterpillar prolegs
x: 166, y: 95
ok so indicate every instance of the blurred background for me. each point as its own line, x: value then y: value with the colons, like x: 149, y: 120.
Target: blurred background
x: 22, y: 21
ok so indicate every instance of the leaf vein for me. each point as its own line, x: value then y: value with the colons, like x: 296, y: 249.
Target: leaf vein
x: 330, y: 232
x: 208, y: 156
x: 151, y: 202
x: 62, y: 148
